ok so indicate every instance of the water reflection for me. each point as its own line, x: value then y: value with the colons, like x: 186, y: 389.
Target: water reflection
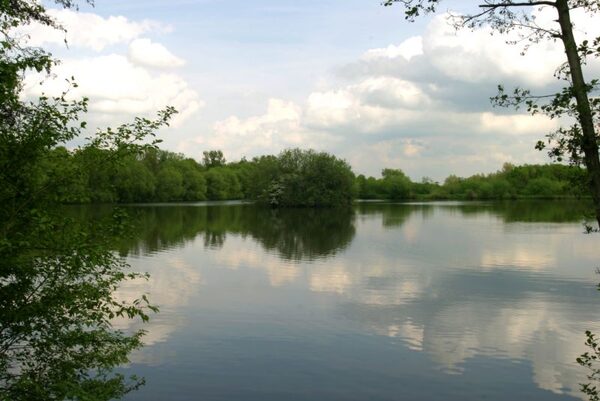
x: 532, y: 211
x: 172, y: 284
x: 457, y: 317
x: 306, y: 234
x: 473, y: 295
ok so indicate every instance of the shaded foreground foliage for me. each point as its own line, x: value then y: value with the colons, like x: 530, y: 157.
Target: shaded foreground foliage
x: 57, y: 279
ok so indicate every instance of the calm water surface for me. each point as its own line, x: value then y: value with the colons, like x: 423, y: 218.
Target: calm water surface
x: 443, y: 301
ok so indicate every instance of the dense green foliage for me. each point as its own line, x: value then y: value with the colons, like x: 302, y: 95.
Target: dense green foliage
x: 307, y: 178
x: 293, y: 178
x: 527, y: 181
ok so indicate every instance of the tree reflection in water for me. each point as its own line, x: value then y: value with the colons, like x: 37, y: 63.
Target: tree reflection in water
x: 294, y: 234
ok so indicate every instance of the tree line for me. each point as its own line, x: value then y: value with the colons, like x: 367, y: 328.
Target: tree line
x: 295, y: 177
x: 511, y: 182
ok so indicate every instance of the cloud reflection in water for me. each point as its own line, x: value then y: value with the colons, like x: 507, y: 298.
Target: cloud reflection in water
x: 454, y: 282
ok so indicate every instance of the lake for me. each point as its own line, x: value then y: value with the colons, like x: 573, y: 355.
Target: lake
x: 436, y: 301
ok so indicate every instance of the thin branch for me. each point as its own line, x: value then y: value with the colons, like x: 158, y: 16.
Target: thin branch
x: 537, y: 28
x: 510, y: 4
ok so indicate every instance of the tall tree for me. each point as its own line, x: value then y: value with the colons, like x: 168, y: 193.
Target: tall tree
x: 213, y: 158
x: 579, y: 141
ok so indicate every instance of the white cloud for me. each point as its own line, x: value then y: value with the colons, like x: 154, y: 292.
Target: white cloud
x: 258, y: 132
x: 408, y: 49
x: 366, y: 107
x: 391, y: 93
x: 278, y: 128
x: 281, y: 126
x: 478, y: 56
x: 412, y: 149
x: 115, y: 85
x: 90, y: 30
x: 145, y: 52
x: 118, y: 86
x: 332, y: 108
x: 516, y: 124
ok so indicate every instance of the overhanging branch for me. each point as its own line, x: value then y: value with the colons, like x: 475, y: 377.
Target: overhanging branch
x: 523, y: 4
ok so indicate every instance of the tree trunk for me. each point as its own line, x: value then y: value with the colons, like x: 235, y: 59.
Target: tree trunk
x: 584, y: 111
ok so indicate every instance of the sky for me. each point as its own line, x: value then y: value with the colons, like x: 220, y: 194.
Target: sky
x: 349, y: 77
